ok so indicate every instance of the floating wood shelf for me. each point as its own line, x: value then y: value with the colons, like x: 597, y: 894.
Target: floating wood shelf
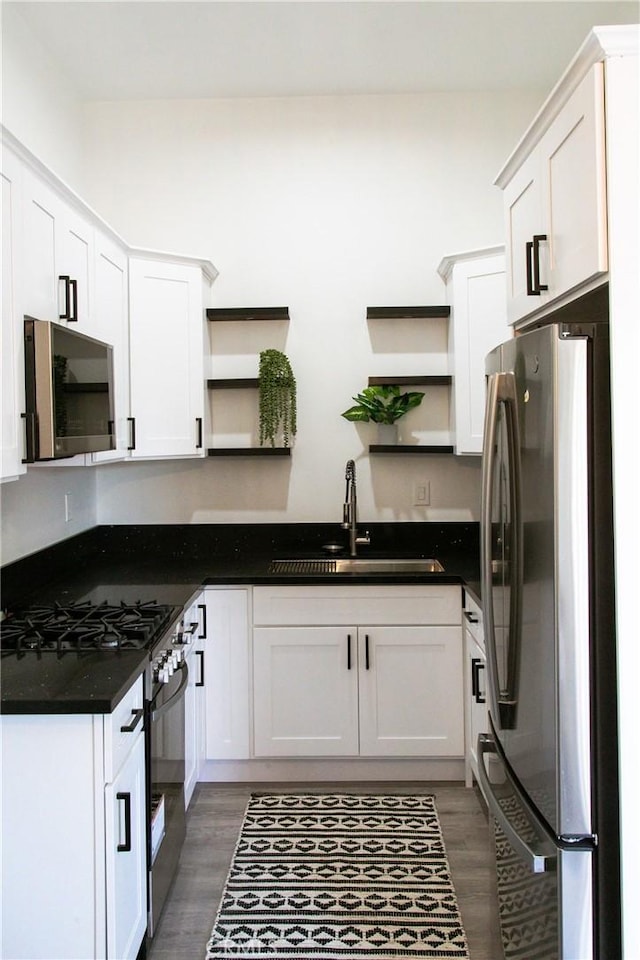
x: 249, y: 452
x: 404, y: 313
x: 247, y: 313
x: 234, y: 383
x: 432, y: 381
x: 416, y: 448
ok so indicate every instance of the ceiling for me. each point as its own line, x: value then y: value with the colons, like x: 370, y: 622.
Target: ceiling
x: 157, y: 50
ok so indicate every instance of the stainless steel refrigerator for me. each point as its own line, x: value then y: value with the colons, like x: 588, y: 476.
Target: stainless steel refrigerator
x: 548, y: 763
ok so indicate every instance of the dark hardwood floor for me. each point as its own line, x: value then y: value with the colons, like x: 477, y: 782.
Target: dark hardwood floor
x: 213, y: 826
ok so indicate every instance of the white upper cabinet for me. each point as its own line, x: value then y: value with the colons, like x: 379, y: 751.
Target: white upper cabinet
x: 12, y: 337
x: 555, y: 204
x: 167, y: 337
x: 62, y: 263
x: 476, y: 293
x: 58, y: 266
x: 111, y: 324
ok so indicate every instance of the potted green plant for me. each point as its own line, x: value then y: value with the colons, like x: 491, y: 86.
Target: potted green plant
x: 277, y: 398
x: 383, y: 405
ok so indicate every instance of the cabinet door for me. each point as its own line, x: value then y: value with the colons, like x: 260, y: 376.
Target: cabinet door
x: 305, y: 682
x: 76, y: 262
x: 110, y: 323
x: 523, y: 220
x: 476, y: 718
x: 12, y: 323
x: 58, y: 244
x: 226, y: 664
x: 479, y: 324
x: 411, y: 691
x: 574, y: 182
x: 167, y: 359
x: 126, y: 857
x: 195, y: 623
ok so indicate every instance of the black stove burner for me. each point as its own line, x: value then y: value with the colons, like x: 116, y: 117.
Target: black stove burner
x: 85, y: 626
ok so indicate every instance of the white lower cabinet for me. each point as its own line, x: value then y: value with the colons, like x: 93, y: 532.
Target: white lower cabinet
x: 126, y: 868
x: 328, y: 681
x: 195, y: 622
x: 227, y: 676
x: 476, y: 709
x: 305, y: 692
x: 74, y: 883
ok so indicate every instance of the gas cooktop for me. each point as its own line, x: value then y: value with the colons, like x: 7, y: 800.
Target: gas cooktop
x: 86, y: 626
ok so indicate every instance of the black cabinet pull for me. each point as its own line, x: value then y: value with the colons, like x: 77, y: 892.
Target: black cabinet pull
x: 70, y: 299
x: 199, y: 433
x: 74, y: 300
x: 29, y: 436
x: 132, y: 438
x: 136, y: 717
x: 476, y: 666
x: 537, y: 239
x: 366, y: 651
x: 66, y: 314
x: 348, y: 651
x: 532, y: 254
x: 203, y: 607
x: 200, y: 682
x: 126, y: 846
x: 471, y: 617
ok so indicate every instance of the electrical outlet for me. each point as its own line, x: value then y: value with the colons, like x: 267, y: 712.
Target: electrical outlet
x: 421, y: 493
x: 68, y: 513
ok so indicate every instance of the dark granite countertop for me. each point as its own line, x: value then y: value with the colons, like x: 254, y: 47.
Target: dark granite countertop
x: 170, y: 564
x: 72, y: 683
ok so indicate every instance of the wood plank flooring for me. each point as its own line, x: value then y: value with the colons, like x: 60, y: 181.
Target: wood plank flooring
x: 213, y: 826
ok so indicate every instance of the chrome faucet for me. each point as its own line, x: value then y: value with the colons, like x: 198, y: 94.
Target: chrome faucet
x: 350, y: 510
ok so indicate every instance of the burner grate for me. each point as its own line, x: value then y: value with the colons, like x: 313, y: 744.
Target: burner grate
x: 84, y: 626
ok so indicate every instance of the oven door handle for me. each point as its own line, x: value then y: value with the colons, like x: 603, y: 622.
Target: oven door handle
x: 180, y: 692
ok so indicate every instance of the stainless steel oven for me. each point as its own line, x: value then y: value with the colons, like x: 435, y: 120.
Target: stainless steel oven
x: 166, y: 767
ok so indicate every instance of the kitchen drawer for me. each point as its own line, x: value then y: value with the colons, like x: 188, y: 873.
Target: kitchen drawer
x: 320, y: 605
x: 473, y: 619
x: 121, y: 729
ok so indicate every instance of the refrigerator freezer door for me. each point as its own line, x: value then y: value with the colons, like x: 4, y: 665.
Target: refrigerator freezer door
x: 544, y: 892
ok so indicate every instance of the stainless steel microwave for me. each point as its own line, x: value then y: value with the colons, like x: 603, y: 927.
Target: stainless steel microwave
x: 68, y: 392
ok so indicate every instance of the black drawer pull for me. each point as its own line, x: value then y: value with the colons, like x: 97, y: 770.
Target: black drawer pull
x: 476, y: 666
x: 136, y: 717
x: 126, y: 846
x: 348, y: 651
x: 200, y: 682
x: 366, y: 651
x: 471, y: 617
x: 203, y: 607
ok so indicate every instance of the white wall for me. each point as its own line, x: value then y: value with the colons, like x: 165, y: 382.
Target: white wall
x: 39, y: 104
x: 34, y: 510
x: 326, y: 205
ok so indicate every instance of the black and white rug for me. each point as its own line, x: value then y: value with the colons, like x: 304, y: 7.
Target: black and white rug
x: 339, y: 875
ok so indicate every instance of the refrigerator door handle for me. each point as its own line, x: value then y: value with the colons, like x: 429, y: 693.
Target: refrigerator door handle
x: 541, y: 857
x: 503, y: 699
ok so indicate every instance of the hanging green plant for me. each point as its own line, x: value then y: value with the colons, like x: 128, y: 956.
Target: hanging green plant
x: 277, y: 401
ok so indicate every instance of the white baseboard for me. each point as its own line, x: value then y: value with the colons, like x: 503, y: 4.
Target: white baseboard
x: 278, y: 770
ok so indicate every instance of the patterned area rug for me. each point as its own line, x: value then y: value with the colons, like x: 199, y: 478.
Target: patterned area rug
x: 339, y: 875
